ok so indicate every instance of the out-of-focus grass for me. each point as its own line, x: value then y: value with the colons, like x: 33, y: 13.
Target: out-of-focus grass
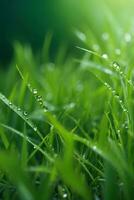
x: 66, y: 126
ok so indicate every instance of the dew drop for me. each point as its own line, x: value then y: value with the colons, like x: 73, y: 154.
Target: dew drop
x: 115, y: 64
x: 29, y: 85
x: 105, y: 84
x: 105, y: 56
x: 130, y: 81
x: 81, y: 36
x: 25, y: 113
x: 65, y: 195
x: 105, y: 36
x: 118, y: 131
x: 127, y: 37
x: 39, y: 97
x: 41, y: 103
x: 10, y: 104
x: 19, y: 109
x: 96, y: 47
x: 45, y: 110
x: 117, y: 96
x: 94, y: 148
x: 35, y: 92
x: 125, y: 110
x: 113, y: 91
x: 84, y: 156
x: 35, y: 129
x: 117, y: 52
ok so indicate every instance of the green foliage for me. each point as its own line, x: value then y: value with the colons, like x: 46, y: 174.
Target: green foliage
x: 66, y: 127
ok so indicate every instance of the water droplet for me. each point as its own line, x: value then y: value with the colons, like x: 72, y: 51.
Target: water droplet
x: 130, y: 82
x: 41, y: 103
x: 35, y: 92
x: 96, y: 47
x: 105, y: 36
x: 81, y: 36
x: 29, y: 86
x: 117, y: 96
x: 84, y: 156
x: 113, y: 91
x: 117, y: 52
x: 118, y: 131
x: 125, y: 110
x: 19, y: 109
x: 25, y: 113
x: 35, y: 129
x: 127, y: 37
x: 71, y: 105
x: 105, y: 56
x: 94, y: 148
x: 115, y: 64
x: 45, y: 109
x: 106, y: 84
x: 10, y: 104
x: 65, y: 195
x: 39, y: 97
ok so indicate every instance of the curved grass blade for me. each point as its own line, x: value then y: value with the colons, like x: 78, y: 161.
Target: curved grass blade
x: 29, y: 141
x: 20, y: 113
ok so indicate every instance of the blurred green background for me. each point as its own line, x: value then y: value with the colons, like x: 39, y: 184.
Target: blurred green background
x: 28, y: 21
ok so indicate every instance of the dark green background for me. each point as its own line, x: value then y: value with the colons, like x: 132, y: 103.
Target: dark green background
x: 28, y: 21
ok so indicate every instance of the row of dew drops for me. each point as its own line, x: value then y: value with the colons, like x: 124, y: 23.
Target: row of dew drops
x: 116, y: 96
x: 127, y: 38
x: 25, y: 113
x: 25, y: 116
x: 37, y: 97
x: 116, y: 67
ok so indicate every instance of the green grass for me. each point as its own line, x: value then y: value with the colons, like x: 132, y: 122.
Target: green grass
x: 66, y: 126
